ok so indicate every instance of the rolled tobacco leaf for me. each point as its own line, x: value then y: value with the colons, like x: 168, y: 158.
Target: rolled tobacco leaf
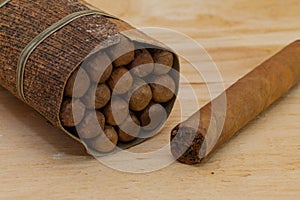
x: 215, y: 123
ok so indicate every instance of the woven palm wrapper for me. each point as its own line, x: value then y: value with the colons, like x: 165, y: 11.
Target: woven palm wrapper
x: 52, y: 62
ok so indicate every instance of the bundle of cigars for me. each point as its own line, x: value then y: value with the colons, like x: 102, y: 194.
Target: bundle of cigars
x: 98, y: 79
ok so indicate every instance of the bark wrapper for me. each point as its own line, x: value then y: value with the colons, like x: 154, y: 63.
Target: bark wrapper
x: 53, y: 61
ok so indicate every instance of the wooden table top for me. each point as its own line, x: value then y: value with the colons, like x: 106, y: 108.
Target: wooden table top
x: 262, y: 162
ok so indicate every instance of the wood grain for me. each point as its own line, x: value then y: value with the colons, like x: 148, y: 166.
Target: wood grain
x: 263, y: 162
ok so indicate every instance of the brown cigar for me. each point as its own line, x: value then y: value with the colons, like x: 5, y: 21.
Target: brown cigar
x: 99, y: 67
x: 82, y: 84
x: 140, y: 95
x: 130, y: 129
x: 116, y: 111
x: 92, y: 125
x: 143, y: 63
x: 97, y: 96
x: 71, y: 112
x: 197, y: 137
x: 153, y: 116
x: 163, y: 61
x: 163, y: 88
x: 105, y: 142
x: 123, y: 53
x: 120, y: 81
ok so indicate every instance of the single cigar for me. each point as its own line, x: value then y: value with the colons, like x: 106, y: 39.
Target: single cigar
x: 120, y: 81
x: 163, y: 88
x: 153, y: 116
x: 92, y: 125
x: 130, y: 129
x: 99, y: 67
x: 163, y: 61
x: 116, y: 111
x: 82, y: 84
x: 105, y: 142
x: 140, y: 95
x: 97, y: 96
x: 71, y: 112
x: 143, y: 63
x: 200, y: 135
x: 122, y: 53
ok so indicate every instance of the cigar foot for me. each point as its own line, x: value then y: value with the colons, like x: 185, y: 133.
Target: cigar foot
x: 185, y: 142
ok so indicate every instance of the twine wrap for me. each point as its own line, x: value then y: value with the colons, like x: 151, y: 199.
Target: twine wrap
x: 2, y: 3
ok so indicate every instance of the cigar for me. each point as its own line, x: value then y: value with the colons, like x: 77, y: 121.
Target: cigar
x: 92, y: 125
x: 116, y: 111
x: 163, y: 61
x: 143, y: 63
x: 140, y: 95
x: 120, y: 81
x: 123, y: 53
x: 196, y: 138
x: 97, y: 96
x: 105, y: 142
x: 130, y: 129
x: 82, y: 84
x: 163, y: 88
x: 152, y: 117
x: 98, y: 67
x: 72, y: 112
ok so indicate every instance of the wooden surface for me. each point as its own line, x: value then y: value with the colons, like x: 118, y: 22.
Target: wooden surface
x: 263, y: 162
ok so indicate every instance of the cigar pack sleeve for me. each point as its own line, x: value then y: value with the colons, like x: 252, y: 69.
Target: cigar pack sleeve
x: 72, y: 33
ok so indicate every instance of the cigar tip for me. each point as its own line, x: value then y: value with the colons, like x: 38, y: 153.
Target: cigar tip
x: 186, y: 143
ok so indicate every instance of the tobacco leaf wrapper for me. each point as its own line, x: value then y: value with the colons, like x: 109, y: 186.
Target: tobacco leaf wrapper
x: 52, y: 62
x: 196, y: 138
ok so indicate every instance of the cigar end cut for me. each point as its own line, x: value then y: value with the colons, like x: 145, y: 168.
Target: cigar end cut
x: 186, y: 145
